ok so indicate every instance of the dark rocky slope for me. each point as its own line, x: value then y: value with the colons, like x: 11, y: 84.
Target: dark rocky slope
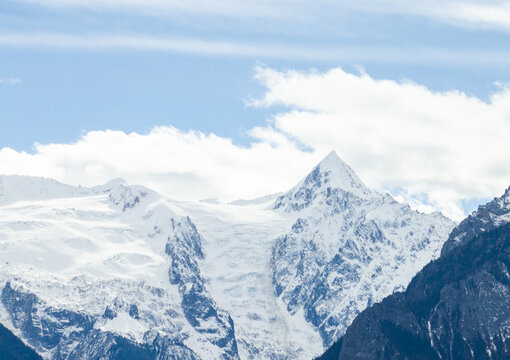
x: 13, y: 348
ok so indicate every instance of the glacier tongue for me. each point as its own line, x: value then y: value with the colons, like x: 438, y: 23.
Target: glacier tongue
x: 238, y: 240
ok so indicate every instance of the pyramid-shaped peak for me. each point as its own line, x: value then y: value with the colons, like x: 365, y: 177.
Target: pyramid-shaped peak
x: 337, y: 174
x: 332, y: 155
x: 330, y: 175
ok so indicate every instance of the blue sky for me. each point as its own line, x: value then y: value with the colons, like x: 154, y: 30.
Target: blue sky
x: 71, y: 67
x: 72, y: 90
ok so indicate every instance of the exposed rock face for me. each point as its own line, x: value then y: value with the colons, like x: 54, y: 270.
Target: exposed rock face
x: 457, y: 307
x: 201, y: 311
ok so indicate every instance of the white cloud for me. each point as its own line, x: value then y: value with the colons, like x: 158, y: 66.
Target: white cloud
x: 10, y: 81
x: 424, y: 146
x: 450, y: 146
x: 172, y: 44
x: 184, y: 165
x: 482, y: 14
x: 151, y: 43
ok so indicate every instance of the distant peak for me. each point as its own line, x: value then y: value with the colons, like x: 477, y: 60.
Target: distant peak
x: 507, y: 193
x: 112, y: 184
x: 116, y: 181
x: 20, y: 187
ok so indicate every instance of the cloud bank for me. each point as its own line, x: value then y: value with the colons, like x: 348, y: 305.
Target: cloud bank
x: 443, y: 147
x: 183, y: 165
x: 432, y: 149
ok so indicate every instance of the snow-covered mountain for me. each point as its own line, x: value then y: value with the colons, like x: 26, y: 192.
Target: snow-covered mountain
x: 100, y: 272
x: 349, y: 247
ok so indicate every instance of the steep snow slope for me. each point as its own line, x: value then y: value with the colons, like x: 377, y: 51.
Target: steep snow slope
x: 78, y: 273
x: 328, y: 235
x: 348, y: 248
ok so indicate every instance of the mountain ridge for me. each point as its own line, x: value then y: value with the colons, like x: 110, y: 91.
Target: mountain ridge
x: 185, y: 272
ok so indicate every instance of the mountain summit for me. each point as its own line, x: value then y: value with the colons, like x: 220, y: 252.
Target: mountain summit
x: 337, y: 174
x: 332, y: 176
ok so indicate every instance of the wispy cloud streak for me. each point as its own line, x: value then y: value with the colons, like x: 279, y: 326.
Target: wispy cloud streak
x: 473, y: 13
x: 485, y: 14
x: 10, y: 81
x: 197, y: 46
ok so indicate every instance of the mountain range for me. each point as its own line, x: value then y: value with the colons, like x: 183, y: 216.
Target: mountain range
x: 119, y: 269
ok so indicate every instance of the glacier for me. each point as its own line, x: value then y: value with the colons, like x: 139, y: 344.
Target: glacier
x: 120, y: 268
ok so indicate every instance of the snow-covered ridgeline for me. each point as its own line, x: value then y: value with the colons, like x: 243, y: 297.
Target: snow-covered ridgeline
x: 487, y: 217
